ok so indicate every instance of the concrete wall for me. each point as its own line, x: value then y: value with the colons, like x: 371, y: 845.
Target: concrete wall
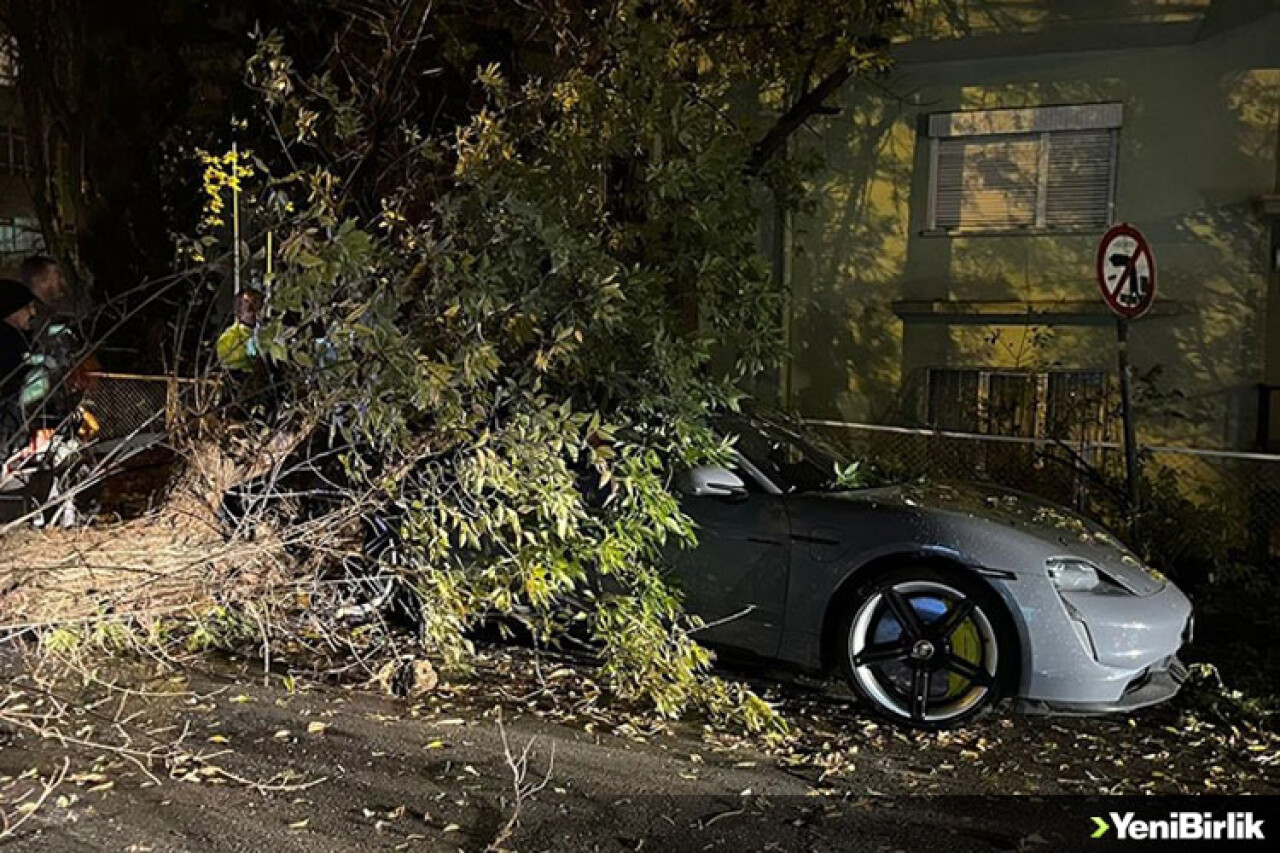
x: 1198, y: 146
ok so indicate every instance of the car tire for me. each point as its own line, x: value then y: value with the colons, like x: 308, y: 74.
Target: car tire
x: 928, y: 647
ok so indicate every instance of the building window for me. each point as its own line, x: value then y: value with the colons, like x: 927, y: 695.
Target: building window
x: 13, y: 150
x: 1008, y: 171
x: 1058, y: 404
x: 20, y: 235
x: 8, y: 60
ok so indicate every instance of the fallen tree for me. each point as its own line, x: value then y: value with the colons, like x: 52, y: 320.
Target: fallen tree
x: 509, y: 262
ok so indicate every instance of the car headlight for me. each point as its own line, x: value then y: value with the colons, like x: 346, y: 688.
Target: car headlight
x: 1072, y: 574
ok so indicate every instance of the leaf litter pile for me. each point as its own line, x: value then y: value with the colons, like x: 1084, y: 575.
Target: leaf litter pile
x: 1207, y: 740
x: 434, y: 759
x: 305, y: 743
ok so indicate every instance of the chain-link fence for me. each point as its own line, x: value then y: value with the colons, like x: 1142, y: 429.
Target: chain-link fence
x: 1198, y: 506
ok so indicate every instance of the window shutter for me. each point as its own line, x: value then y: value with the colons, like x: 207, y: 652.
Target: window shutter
x: 1011, y: 405
x: 953, y: 399
x: 1077, y: 405
x: 1078, y: 186
x: 986, y: 183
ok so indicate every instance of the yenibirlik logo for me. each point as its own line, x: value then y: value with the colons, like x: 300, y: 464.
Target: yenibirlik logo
x: 1182, y: 826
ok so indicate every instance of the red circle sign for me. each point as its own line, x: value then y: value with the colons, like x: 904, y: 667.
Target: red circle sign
x: 1126, y: 272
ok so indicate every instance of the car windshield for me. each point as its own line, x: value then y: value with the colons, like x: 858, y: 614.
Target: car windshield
x: 792, y: 459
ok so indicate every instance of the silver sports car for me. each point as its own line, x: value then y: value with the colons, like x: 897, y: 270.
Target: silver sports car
x: 933, y: 601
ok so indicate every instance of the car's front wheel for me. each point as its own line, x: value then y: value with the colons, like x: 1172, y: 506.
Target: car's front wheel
x: 927, y: 647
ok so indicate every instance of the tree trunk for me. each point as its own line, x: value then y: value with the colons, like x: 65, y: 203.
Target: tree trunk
x: 44, y: 33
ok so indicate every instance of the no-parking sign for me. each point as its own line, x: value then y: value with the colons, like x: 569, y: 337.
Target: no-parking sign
x: 1126, y: 272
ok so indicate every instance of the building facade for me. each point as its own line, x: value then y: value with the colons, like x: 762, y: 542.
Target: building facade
x: 19, y: 227
x: 946, y: 274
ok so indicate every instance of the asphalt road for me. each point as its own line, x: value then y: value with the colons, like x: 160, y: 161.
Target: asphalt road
x: 362, y: 771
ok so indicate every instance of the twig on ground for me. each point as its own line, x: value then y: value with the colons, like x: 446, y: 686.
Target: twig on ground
x: 11, y: 820
x: 522, y: 787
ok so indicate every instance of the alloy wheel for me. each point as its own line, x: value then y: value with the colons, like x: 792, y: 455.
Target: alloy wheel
x: 923, y: 651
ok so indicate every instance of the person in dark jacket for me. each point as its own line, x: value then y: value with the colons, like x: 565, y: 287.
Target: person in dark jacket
x: 60, y: 365
x: 43, y: 277
x: 17, y: 313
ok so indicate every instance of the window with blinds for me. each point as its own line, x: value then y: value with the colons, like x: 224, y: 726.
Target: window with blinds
x: 1046, y: 169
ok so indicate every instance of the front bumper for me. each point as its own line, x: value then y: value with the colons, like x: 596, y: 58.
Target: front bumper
x: 1151, y: 687
x: 1093, y: 652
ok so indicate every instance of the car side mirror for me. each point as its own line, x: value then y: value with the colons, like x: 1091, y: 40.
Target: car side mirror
x: 712, y: 481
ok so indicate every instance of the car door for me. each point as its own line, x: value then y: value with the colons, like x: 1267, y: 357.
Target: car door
x: 736, y: 577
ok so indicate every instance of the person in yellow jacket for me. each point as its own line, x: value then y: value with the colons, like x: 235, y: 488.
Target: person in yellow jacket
x: 237, y: 346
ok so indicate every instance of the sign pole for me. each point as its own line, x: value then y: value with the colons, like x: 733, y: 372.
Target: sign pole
x: 235, y: 218
x: 1126, y: 269
x: 1126, y: 416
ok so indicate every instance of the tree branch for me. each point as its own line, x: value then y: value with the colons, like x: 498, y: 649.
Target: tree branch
x: 801, y: 111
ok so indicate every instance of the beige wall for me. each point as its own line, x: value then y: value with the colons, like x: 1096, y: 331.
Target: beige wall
x: 1198, y: 145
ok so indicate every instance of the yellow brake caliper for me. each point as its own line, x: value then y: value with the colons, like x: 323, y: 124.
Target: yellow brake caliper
x: 966, y: 645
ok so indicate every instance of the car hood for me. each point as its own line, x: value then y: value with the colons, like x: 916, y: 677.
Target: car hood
x: 1063, y: 532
